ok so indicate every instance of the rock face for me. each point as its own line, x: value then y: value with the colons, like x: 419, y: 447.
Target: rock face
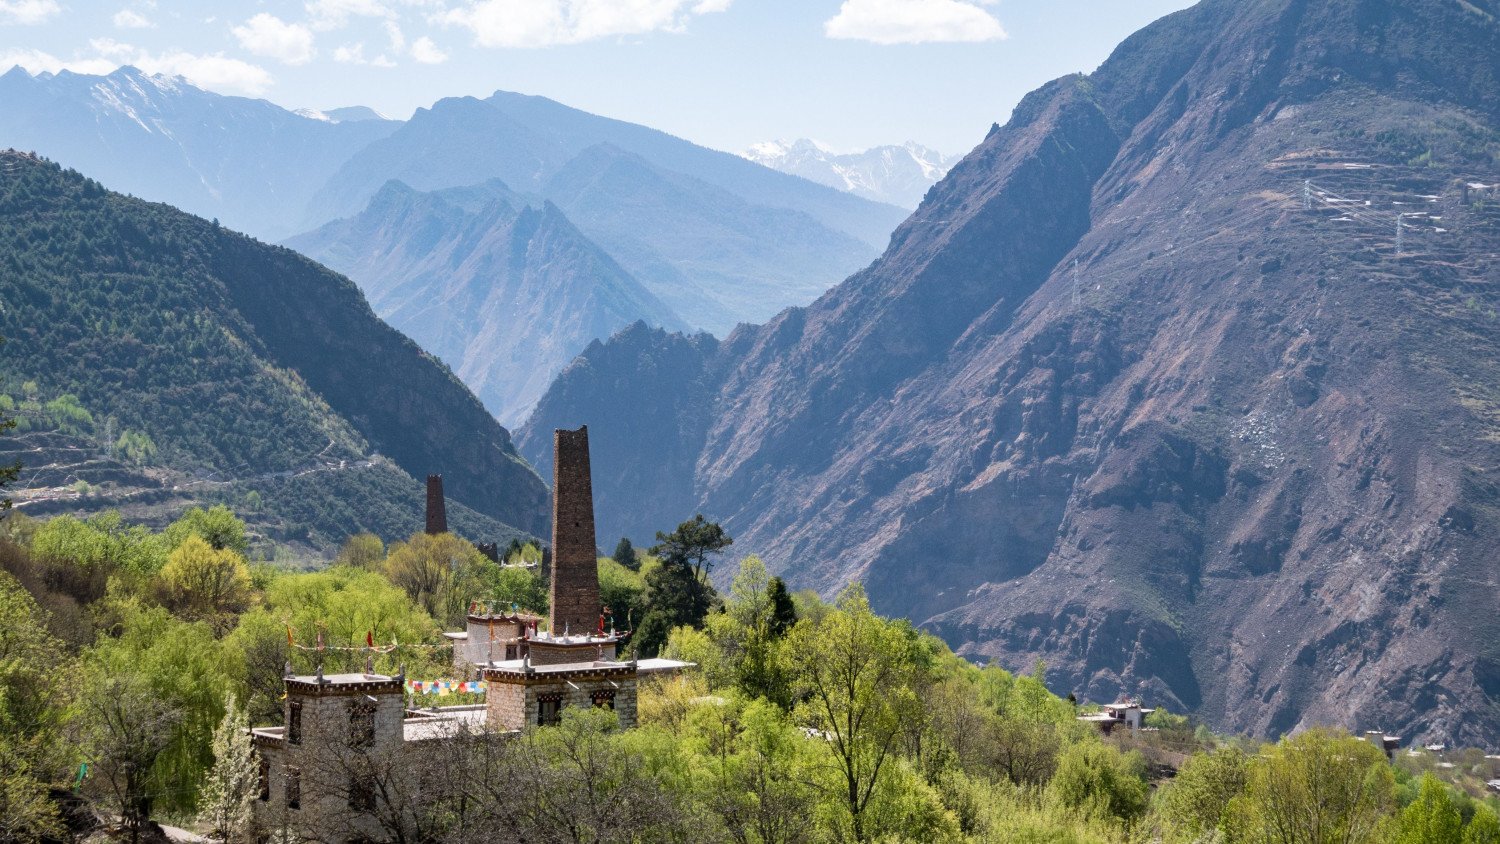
x: 1137, y: 391
x: 503, y: 292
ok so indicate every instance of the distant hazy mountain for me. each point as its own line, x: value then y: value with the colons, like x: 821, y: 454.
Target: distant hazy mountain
x: 505, y: 293
x: 250, y: 163
x: 899, y: 175
x: 720, y: 239
x: 250, y: 368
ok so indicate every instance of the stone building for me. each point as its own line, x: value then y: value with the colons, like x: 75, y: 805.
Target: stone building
x: 314, y: 764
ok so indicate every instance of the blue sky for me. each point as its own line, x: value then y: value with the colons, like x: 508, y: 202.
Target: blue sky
x: 724, y: 73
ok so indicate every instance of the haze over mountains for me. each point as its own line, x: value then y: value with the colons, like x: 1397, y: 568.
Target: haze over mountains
x: 505, y: 291
x: 898, y: 174
x: 1131, y: 394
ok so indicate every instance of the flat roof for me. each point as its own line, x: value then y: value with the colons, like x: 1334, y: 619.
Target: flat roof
x: 442, y: 722
x: 342, y: 679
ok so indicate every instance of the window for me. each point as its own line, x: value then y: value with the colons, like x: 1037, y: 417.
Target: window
x: 362, y: 723
x: 510, y: 652
x: 293, y: 788
x: 548, y: 709
x: 604, y: 699
x: 265, y: 779
x: 294, y: 722
x: 361, y: 793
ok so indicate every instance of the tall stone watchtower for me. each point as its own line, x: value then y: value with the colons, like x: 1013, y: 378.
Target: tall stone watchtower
x: 575, y: 572
x: 437, y: 509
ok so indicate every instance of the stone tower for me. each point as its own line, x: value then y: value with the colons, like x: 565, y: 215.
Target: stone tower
x: 575, y: 572
x: 437, y: 511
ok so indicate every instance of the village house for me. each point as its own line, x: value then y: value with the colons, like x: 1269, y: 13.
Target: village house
x: 310, y: 765
x: 1126, y: 711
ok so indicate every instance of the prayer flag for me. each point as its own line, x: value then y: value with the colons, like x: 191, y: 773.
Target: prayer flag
x: 369, y: 638
x: 289, y: 636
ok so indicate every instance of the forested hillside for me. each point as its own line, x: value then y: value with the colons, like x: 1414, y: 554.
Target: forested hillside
x: 151, y: 354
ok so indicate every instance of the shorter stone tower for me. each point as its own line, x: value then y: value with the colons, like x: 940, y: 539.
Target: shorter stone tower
x: 437, y: 509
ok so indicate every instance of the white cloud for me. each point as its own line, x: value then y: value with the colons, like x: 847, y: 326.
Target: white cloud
x: 215, y: 72
x: 36, y: 61
x: 544, y: 23
x: 355, y: 54
x: 398, y: 40
x: 268, y: 35
x: 913, y: 22
x: 131, y: 19
x: 335, y: 14
x: 27, y: 12
x: 426, y: 52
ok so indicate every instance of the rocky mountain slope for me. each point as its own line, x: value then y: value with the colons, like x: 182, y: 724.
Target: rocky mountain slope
x: 155, y: 355
x: 1145, y: 388
x: 251, y: 164
x: 897, y: 174
x: 719, y: 239
x: 506, y: 293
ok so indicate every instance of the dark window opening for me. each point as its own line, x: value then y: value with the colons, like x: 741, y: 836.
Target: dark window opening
x: 294, y: 722
x: 548, y: 710
x: 510, y: 652
x: 361, y: 794
x: 293, y: 788
x: 265, y: 779
x: 362, y: 724
x: 604, y: 699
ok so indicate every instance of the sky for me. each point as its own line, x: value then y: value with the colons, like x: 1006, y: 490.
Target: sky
x: 723, y: 73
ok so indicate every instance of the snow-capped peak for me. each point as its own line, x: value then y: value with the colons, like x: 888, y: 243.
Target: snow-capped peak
x: 898, y: 174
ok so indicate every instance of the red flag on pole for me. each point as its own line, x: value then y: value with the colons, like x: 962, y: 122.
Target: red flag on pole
x: 369, y: 638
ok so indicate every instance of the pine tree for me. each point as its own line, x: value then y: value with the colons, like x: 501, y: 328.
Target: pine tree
x: 783, y: 611
x: 229, y: 793
x: 625, y: 555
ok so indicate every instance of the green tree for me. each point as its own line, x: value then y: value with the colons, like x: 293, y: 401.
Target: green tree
x: 625, y: 554
x: 218, y: 526
x: 229, y: 792
x: 442, y: 573
x: 175, y: 672
x: 127, y: 729
x: 1195, y: 801
x: 695, y: 542
x: 1101, y: 781
x: 1320, y: 787
x: 858, y: 676
x: 33, y: 700
x: 8, y: 473
x: 362, y: 551
x: 1430, y: 819
x: 1483, y: 828
x: 783, y: 611
x: 675, y: 597
x: 206, y: 583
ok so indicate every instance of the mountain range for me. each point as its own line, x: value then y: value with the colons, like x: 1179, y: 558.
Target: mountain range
x: 717, y: 238
x: 1146, y: 388
x: 506, y: 291
x: 252, y: 165
x: 899, y: 175
x: 157, y: 360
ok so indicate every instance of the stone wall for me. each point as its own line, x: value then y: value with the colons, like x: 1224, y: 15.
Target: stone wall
x: 514, y: 706
x: 575, y: 573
